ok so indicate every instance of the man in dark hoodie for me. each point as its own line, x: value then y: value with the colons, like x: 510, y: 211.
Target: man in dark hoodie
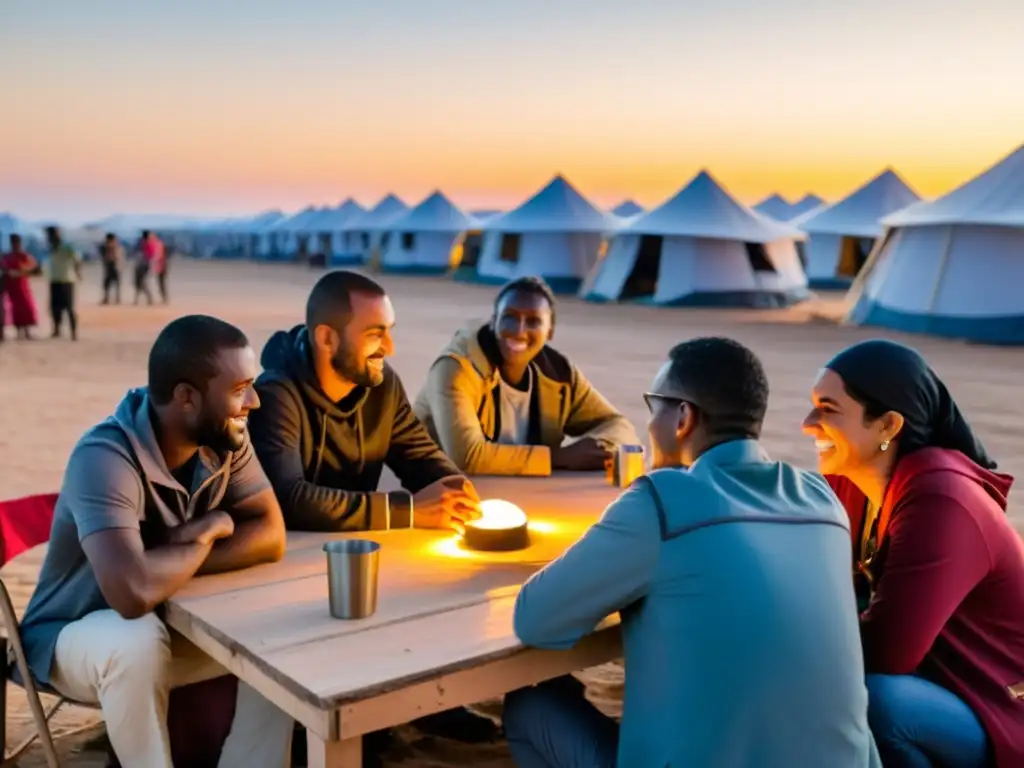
x: 333, y: 413
x: 166, y: 488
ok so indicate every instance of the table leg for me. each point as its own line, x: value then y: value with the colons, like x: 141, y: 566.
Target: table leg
x: 333, y: 754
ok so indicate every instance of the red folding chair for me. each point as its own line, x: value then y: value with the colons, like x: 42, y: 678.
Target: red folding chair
x: 24, y: 523
x: 199, y: 716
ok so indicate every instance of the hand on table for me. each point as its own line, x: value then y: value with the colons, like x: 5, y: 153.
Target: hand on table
x: 585, y: 455
x: 448, y: 503
x: 203, y: 530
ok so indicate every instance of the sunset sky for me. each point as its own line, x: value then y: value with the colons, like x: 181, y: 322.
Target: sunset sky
x: 221, y: 107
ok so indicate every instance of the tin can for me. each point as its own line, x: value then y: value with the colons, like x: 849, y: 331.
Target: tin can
x: 627, y: 465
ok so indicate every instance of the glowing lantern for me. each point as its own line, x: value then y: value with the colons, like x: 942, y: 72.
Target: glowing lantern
x: 501, y: 527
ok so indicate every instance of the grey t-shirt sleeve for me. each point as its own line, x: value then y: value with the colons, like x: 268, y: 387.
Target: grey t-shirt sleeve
x: 102, y: 489
x: 247, y: 477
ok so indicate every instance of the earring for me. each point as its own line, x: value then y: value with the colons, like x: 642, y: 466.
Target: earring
x: 885, y: 445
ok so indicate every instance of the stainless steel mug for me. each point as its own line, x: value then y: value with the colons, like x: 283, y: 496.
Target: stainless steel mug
x: 627, y: 465
x: 352, y: 568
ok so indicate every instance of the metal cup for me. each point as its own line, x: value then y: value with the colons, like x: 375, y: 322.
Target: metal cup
x: 627, y: 465
x: 352, y: 568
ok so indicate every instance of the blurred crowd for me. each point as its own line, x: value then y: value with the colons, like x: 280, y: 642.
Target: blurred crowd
x: 62, y: 265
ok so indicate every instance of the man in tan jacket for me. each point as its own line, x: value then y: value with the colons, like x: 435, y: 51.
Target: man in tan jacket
x: 500, y: 401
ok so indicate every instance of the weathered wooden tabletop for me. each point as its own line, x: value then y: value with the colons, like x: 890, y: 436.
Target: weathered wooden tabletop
x: 441, y: 636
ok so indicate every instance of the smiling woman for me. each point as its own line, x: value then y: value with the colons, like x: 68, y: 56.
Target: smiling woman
x: 501, y: 401
x: 940, y: 570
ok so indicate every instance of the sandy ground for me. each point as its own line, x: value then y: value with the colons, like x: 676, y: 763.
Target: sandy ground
x: 51, y: 391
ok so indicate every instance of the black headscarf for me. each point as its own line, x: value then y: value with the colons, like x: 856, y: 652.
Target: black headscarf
x: 898, y: 378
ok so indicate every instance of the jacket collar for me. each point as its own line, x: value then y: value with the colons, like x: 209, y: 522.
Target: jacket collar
x: 151, y: 458
x: 740, y: 451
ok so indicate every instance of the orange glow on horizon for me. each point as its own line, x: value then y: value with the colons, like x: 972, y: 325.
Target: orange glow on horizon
x: 208, y: 110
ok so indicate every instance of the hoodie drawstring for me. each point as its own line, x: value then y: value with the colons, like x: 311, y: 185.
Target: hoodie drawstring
x: 320, y: 450
x: 359, y: 440
x: 323, y: 445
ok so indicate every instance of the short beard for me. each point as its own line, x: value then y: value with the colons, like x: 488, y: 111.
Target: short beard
x: 216, y: 435
x: 348, y: 368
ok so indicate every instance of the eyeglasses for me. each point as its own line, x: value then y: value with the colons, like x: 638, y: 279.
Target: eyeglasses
x: 650, y: 398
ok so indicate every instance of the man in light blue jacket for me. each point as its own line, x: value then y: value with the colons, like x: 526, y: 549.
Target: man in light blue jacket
x: 732, y: 576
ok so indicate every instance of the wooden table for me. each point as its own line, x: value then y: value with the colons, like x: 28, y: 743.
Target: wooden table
x: 441, y: 636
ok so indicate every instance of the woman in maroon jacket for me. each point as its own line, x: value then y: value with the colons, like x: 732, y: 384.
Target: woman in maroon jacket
x: 941, y: 568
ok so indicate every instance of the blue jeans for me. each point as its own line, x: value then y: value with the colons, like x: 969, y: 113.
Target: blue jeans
x: 918, y: 724
x: 552, y: 725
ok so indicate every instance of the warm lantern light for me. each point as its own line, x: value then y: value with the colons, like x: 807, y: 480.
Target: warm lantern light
x: 498, y: 513
x: 501, y: 527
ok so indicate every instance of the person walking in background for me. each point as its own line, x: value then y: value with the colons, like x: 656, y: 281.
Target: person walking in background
x: 142, y: 267
x: 157, y: 257
x: 15, y: 269
x: 112, y: 256
x: 65, y: 272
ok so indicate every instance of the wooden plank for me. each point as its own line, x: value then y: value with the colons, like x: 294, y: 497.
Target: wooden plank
x: 268, y: 608
x: 264, y: 619
x: 478, y: 683
x: 559, y: 514
x: 442, y: 610
x: 266, y: 681
x: 402, y: 654
x: 333, y: 754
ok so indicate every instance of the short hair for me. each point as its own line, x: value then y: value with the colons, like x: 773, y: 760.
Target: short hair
x: 725, y: 381
x: 330, y: 301
x: 184, y: 352
x: 110, y: 236
x: 530, y: 284
x: 15, y: 238
x: 146, y: 233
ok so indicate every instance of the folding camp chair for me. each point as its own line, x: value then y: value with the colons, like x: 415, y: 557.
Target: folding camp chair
x: 24, y: 523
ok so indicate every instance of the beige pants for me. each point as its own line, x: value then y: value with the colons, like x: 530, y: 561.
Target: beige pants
x: 128, y: 667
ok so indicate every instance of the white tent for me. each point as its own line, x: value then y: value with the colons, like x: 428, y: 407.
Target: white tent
x: 701, y: 248
x: 557, y: 234
x: 842, y: 235
x: 627, y: 209
x: 327, y: 231
x: 484, y: 215
x: 10, y: 225
x: 803, y: 205
x: 261, y: 221
x: 265, y: 236
x: 280, y: 240
x: 366, y: 233
x: 231, y: 239
x: 33, y: 239
x: 954, y: 266
x: 423, y: 239
x: 779, y: 208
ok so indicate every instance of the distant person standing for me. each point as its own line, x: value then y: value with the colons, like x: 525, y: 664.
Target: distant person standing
x: 157, y: 256
x: 65, y: 272
x: 15, y: 269
x: 142, y: 267
x: 112, y: 256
